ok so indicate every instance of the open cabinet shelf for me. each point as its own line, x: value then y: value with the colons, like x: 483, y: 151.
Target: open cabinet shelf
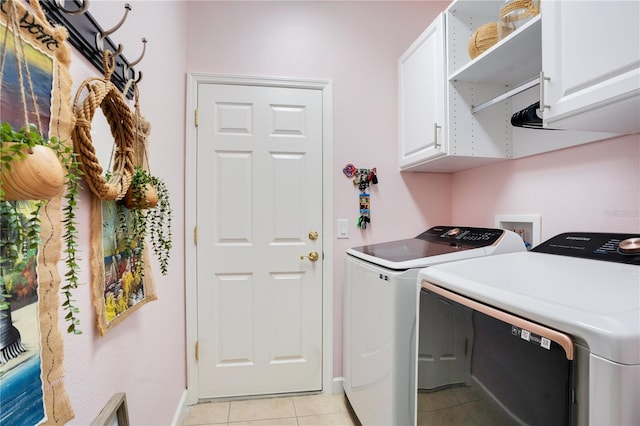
x: 512, y: 61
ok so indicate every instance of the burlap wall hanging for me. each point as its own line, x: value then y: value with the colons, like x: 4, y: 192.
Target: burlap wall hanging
x: 35, y: 61
x: 120, y: 282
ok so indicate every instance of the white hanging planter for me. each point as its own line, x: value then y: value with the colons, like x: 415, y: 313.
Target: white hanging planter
x: 136, y: 198
x: 37, y: 176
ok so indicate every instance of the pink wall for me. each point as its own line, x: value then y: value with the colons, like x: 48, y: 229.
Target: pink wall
x: 594, y: 188
x: 143, y: 356
x: 357, y: 46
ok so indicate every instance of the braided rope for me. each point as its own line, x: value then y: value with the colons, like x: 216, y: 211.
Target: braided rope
x: 21, y: 62
x: 104, y: 94
x: 142, y: 131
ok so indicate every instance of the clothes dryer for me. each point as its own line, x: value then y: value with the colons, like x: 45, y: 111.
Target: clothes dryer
x: 553, y: 335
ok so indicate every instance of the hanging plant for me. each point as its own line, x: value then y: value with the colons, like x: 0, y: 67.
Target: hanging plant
x: 141, y: 193
x: 29, y: 170
x: 38, y: 168
x: 147, y: 199
x: 149, y: 208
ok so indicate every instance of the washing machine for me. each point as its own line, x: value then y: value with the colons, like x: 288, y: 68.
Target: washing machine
x: 552, y: 335
x: 380, y: 314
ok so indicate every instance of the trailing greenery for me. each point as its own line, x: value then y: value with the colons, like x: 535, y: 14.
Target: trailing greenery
x: 159, y: 219
x: 154, y: 222
x: 28, y: 230
x: 73, y: 176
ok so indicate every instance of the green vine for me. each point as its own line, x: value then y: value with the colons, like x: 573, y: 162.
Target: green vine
x: 73, y: 176
x: 160, y: 223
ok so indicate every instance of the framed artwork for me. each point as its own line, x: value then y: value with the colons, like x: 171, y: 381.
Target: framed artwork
x: 115, y: 413
x: 121, y: 276
x: 31, y: 346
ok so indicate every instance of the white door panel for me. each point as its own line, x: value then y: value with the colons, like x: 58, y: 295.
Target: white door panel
x: 593, y: 75
x: 259, y: 194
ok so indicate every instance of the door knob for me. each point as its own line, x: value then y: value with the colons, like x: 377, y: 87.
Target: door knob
x: 312, y: 256
x: 313, y: 235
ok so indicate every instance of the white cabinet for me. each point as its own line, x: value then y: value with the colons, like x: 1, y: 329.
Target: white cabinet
x: 421, y: 102
x: 591, y: 56
x: 437, y: 132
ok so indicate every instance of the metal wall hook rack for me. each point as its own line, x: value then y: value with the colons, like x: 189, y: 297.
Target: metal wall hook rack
x: 83, y: 8
x: 84, y: 33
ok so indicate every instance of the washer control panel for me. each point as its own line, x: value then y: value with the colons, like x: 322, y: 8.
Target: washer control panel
x: 462, y: 235
x: 621, y: 248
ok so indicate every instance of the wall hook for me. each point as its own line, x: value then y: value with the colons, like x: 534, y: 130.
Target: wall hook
x: 144, y: 48
x: 100, y: 37
x: 132, y: 81
x: 128, y: 69
x: 83, y: 8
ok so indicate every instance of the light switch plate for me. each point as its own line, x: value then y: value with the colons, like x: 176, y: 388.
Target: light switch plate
x: 343, y: 228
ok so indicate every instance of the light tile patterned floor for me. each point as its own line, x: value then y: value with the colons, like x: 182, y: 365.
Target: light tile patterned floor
x: 460, y: 406
x: 308, y: 410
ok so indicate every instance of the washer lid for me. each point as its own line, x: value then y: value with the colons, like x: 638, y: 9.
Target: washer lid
x: 409, y: 249
x: 597, y: 302
x: 435, y: 245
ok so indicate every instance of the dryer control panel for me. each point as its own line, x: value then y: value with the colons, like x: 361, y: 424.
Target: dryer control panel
x: 621, y: 248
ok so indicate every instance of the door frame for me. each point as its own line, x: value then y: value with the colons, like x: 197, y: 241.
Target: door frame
x: 326, y: 87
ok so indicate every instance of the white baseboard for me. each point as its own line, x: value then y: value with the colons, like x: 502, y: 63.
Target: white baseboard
x: 338, y: 385
x: 181, y: 410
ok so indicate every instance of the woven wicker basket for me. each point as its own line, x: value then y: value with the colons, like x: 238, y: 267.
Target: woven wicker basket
x: 514, y: 14
x: 520, y: 9
x: 483, y: 38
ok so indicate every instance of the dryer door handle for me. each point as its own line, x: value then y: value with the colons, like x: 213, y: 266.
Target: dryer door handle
x: 527, y: 326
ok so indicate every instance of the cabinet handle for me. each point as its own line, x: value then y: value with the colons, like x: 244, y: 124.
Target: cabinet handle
x: 435, y: 135
x: 542, y: 79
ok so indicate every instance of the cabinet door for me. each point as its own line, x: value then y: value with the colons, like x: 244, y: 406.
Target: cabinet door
x: 421, y: 98
x: 591, y: 55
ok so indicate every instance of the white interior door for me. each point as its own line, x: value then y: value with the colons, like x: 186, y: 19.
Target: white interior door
x: 445, y: 338
x: 259, y: 196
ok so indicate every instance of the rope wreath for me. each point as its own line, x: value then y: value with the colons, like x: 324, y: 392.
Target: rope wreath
x: 104, y: 94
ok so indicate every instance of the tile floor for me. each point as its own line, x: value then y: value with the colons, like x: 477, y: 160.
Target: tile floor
x: 308, y: 410
x: 459, y: 406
